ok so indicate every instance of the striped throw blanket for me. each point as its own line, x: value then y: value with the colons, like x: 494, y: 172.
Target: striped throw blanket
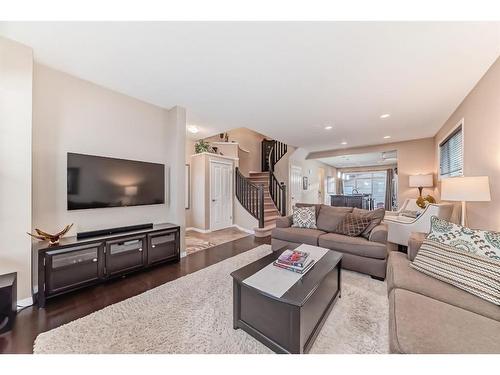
x: 474, y: 273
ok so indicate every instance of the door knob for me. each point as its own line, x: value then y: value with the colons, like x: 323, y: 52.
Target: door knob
x: 94, y: 260
x: 213, y: 200
x: 140, y: 249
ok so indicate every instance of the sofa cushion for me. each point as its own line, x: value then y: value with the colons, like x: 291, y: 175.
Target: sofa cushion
x: 299, y: 235
x: 414, y: 242
x: 352, y: 225
x: 419, y: 324
x: 330, y: 217
x: 284, y: 221
x: 375, y: 216
x: 401, y: 275
x: 379, y: 234
x: 304, y: 217
x: 353, y: 245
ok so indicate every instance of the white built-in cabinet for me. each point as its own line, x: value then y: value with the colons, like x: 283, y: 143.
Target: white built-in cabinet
x: 212, y: 182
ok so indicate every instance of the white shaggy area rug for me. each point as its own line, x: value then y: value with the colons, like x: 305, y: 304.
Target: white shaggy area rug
x: 193, y: 314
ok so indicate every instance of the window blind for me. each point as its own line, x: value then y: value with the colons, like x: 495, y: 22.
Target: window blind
x: 451, y: 158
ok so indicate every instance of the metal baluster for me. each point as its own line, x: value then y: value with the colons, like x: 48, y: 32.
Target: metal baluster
x: 261, y: 206
x: 283, y: 199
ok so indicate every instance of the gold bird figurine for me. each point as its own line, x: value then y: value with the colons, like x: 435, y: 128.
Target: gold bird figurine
x: 52, y: 238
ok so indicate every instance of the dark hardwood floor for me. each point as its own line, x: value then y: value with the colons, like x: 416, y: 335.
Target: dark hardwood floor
x: 32, y: 321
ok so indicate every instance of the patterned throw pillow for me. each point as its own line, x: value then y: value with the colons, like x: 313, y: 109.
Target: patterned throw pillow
x: 409, y: 213
x: 375, y: 216
x: 474, y: 273
x: 353, y: 225
x: 304, y: 217
x: 479, y: 242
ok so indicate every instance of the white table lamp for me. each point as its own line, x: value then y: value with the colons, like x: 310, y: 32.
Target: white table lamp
x: 466, y: 189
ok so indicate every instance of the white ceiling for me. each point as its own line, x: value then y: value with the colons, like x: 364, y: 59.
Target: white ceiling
x: 287, y: 80
x: 362, y: 160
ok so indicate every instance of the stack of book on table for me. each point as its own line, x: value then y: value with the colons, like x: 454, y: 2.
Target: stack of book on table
x: 294, y: 260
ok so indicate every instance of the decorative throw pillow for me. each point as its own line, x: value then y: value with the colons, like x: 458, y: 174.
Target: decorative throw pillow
x: 375, y: 216
x: 330, y: 217
x: 317, y: 207
x: 304, y: 217
x: 479, y: 242
x: 409, y: 213
x: 353, y: 225
x: 467, y: 270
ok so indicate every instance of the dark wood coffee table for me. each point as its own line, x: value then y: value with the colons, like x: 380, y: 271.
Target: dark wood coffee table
x: 288, y: 324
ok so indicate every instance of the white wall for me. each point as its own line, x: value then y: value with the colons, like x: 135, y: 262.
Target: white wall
x: 282, y: 172
x: 242, y: 218
x: 310, y: 169
x: 248, y: 140
x: 176, y: 159
x: 189, y: 151
x: 16, y: 72
x: 481, y: 113
x: 72, y: 115
x: 414, y: 157
x: 199, y: 190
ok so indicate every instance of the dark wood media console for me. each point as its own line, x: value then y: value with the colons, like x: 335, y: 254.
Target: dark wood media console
x: 77, y: 263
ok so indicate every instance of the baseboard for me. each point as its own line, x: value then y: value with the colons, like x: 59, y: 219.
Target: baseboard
x: 22, y: 303
x: 198, y: 230
x: 249, y: 231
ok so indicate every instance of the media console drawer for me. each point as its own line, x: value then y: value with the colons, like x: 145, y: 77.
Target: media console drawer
x: 72, y: 267
x: 77, y: 263
x: 162, y: 246
x: 125, y: 254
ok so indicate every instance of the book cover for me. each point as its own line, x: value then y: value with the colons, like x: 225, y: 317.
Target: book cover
x: 295, y: 269
x: 294, y: 258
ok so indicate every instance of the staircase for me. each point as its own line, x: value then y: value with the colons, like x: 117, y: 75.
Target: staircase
x: 271, y: 213
x: 261, y: 194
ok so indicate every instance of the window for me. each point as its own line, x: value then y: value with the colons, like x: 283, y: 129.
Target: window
x: 330, y: 185
x: 451, y: 154
x: 367, y: 183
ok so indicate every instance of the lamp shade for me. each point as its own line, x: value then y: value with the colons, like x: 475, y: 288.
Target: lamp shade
x: 466, y: 189
x: 421, y: 180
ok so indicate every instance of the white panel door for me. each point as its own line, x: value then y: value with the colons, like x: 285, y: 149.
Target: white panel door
x: 295, y: 185
x: 221, y: 199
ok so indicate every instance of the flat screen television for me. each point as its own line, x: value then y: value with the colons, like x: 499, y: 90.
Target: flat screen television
x: 97, y: 182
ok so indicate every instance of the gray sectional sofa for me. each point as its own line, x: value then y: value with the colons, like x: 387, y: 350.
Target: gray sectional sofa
x: 429, y: 316
x: 363, y: 254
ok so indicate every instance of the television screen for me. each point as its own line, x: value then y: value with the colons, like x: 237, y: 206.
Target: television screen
x: 96, y: 182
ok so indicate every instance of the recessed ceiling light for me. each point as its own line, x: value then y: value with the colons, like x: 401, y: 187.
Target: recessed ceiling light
x: 344, y: 143
x: 193, y: 129
x: 387, y: 137
x: 385, y: 115
x: 328, y: 127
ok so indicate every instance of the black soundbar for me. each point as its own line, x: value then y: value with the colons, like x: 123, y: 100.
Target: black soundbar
x: 107, y: 232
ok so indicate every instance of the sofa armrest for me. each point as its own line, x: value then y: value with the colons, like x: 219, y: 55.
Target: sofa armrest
x: 284, y: 221
x: 379, y: 234
x: 414, y: 243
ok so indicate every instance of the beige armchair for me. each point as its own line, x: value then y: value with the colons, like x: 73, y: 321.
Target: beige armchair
x: 400, y: 226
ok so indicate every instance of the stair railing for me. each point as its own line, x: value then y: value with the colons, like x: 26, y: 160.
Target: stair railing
x: 277, y: 189
x: 277, y: 151
x: 251, y: 196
